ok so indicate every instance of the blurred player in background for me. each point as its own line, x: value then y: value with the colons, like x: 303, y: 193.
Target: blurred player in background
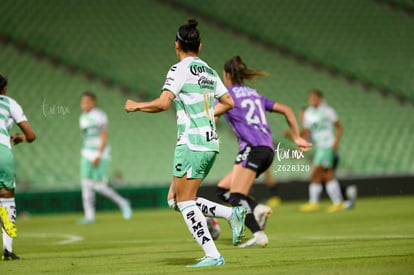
x: 322, y: 126
x: 271, y: 184
x: 349, y: 193
x: 10, y: 113
x: 249, y: 122
x: 95, y: 160
x: 193, y: 85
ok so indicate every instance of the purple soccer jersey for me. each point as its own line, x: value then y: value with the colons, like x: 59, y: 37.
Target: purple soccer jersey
x: 248, y: 117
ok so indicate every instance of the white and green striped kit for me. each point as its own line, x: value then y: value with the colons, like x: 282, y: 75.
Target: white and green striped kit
x: 10, y: 111
x: 92, y: 124
x: 320, y: 121
x: 195, y: 86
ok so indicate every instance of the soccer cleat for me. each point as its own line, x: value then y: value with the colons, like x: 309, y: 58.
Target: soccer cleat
x: 8, y: 226
x: 273, y: 201
x: 238, y: 217
x: 351, y: 193
x: 202, y: 258
x: 261, y: 213
x: 127, y: 211
x: 337, y: 207
x: 309, y: 207
x: 213, y: 228
x: 86, y: 221
x: 9, y: 256
x: 259, y: 239
x: 208, y: 261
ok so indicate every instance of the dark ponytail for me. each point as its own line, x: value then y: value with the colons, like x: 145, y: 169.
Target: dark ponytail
x: 239, y: 72
x: 189, y: 37
x: 3, y: 82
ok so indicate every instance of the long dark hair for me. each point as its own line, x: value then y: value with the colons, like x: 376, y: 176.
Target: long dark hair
x: 189, y: 37
x: 239, y: 72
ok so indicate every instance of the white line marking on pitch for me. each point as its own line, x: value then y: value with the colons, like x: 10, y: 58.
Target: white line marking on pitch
x: 358, y: 237
x: 67, y: 238
x: 361, y: 237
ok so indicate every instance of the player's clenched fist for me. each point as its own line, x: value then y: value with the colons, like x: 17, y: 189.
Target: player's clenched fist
x: 131, y: 106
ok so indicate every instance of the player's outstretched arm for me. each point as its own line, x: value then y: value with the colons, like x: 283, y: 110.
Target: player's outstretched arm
x: 293, y: 125
x: 159, y: 104
x: 338, y: 134
x: 225, y: 104
x: 27, y: 136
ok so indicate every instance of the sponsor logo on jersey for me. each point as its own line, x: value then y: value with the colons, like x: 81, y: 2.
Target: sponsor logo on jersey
x: 211, y: 135
x: 244, y: 92
x: 206, y: 83
x: 197, y: 69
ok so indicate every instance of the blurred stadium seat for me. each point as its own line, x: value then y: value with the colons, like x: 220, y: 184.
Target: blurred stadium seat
x: 50, y: 98
x: 366, y: 39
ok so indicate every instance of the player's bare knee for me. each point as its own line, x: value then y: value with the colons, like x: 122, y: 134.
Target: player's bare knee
x: 6, y: 193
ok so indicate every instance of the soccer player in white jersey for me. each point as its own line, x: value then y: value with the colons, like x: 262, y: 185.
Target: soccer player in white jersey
x: 194, y: 86
x: 322, y: 126
x: 10, y: 113
x: 95, y: 160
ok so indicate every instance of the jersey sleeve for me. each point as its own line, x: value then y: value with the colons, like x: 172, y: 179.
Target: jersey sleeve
x: 175, y: 79
x: 306, y: 123
x: 103, y: 122
x: 332, y: 115
x: 220, y: 89
x: 16, y: 112
x: 268, y: 104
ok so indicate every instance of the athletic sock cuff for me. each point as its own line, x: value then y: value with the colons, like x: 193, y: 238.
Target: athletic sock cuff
x: 183, y: 205
x: 6, y: 201
x: 223, y: 194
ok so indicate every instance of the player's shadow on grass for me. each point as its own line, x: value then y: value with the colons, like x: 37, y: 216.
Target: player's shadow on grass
x: 179, y: 261
x: 223, y: 241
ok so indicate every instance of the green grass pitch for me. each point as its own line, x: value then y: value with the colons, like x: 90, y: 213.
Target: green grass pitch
x: 377, y: 237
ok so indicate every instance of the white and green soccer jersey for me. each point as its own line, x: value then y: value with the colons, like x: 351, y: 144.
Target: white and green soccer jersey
x: 195, y: 86
x: 91, y: 125
x: 320, y: 121
x: 10, y: 112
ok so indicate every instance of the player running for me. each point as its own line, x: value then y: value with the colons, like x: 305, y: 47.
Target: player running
x: 10, y: 113
x: 95, y: 160
x: 193, y: 85
x: 322, y: 126
x: 249, y: 122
